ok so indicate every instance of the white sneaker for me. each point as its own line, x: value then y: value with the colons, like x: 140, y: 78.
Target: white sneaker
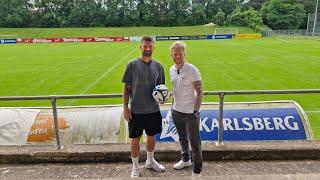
x: 181, y: 164
x: 155, y: 166
x: 195, y: 174
x: 135, y: 173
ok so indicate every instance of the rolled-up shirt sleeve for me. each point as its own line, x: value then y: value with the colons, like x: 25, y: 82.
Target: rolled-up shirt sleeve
x: 196, y: 75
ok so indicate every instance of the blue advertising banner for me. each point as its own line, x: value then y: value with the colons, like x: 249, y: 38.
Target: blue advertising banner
x: 8, y: 41
x: 243, y: 124
x: 220, y: 36
x: 175, y: 38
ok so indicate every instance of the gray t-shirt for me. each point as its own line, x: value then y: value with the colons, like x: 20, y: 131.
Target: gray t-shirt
x: 143, y: 77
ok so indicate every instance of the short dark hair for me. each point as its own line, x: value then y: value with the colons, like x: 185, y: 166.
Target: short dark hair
x: 147, y: 39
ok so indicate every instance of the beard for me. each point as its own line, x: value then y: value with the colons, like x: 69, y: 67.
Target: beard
x: 147, y: 53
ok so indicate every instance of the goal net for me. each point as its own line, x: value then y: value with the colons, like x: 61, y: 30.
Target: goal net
x: 313, y: 21
x: 226, y: 31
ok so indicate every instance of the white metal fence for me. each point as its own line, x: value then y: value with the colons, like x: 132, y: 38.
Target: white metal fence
x: 221, y: 95
x: 302, y: 33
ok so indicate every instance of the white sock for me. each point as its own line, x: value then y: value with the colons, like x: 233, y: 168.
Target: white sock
x: 135, y: 162
x: 150, y: 157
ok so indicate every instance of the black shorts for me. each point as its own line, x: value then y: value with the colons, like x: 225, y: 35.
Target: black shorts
x: 151, y: 123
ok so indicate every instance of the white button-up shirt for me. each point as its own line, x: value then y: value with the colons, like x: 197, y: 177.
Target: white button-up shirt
x: 184, y: 93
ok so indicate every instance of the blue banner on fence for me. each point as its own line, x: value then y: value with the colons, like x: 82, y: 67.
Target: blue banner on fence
x: 174, y: 38
x: 220, y: 36
x: 243, y: 124
x: 8, y: 41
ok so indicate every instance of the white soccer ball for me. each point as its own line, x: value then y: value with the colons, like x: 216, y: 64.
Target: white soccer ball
x: 160, y: 93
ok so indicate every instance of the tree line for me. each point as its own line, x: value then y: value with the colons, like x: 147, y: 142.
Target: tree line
x: 257, y: 14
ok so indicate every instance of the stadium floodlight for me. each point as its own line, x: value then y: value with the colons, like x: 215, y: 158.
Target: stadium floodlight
x: 315, y: 18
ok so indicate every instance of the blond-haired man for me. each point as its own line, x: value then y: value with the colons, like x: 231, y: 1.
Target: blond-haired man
x: 187, y: 98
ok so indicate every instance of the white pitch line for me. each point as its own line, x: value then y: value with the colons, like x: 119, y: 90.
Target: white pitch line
x: 103, y: 75
x: 312, y: 111
x: 282, y: 40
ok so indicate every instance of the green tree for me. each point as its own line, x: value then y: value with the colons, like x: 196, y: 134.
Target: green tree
x: 309, y: 6
x: 227, y: 6
x: 160, y: 12
x: 250, y: 18
x: 210, y: 9
x: 52, y: 13
x: 237, y: 18
x: 85, y: 13
x: 15, y: 13
x: 220, y: 18
x: 133, y: 13
x: 144, y: 12
x: 100, y: 14
x: 283, y: 14
x: 112, y: 18
x: 198, y: 13
x: 178, y: 12
x: 255, y: 4
x: 63, y: 11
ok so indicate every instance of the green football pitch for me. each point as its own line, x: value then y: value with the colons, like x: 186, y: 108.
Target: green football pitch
x: 96, y: 68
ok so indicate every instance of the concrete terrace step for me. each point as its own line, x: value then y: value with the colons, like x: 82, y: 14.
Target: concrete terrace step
x: 302, y: 169
x: 267, y: 150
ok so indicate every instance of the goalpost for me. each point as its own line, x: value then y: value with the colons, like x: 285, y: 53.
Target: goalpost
x: 226, y: 31
x: 313, y: 26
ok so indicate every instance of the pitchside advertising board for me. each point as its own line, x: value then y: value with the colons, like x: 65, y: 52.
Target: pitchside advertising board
x: 181, y: 38
x: 8, y: 41
x: 69, y: 40
x: 194, y: 37
x: 78, y: 125
x: 220, y: 36
x: 138, y: 38
x: 281, y: 120
x: 241, y: 124
x: 131, y: 39
x: 248, y: 36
